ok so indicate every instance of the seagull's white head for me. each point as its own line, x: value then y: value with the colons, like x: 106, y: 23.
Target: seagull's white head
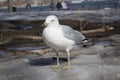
x: 51, y: 20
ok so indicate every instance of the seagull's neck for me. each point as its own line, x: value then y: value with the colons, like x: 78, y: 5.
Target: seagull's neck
x: 54, y: 25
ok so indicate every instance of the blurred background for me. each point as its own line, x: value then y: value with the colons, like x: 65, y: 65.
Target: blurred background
x: 45, y: 5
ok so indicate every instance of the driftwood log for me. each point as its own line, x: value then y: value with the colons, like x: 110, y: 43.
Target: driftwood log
x: 103, y: 29
x: 20, y: 37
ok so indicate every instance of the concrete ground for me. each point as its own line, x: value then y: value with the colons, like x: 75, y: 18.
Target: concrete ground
x: 96, y: 62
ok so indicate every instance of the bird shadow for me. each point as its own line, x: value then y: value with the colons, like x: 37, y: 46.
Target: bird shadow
x: 46, y: 61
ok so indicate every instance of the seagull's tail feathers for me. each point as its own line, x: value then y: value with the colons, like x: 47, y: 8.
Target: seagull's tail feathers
x: 85, y: 44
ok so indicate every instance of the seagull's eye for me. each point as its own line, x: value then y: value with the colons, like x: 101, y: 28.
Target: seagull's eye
x: 52, y: 20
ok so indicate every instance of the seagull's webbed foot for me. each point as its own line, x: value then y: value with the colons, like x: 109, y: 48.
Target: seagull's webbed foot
x: 66, y: 67
x: 56, y: 66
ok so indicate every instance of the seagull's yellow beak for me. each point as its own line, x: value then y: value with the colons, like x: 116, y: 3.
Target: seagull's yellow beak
x: 45, y: 24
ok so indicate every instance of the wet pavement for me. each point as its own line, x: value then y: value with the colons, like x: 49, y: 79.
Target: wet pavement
x: 96, y: 62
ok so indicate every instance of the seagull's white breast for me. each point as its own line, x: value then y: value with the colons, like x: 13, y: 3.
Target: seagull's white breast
x: 54, y: 37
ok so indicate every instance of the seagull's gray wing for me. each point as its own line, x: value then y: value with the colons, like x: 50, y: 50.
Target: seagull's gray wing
x: 72, y: 34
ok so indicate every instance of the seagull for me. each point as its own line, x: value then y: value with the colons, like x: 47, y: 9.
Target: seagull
x: 61, y: 38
